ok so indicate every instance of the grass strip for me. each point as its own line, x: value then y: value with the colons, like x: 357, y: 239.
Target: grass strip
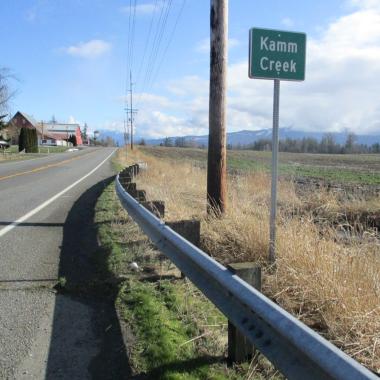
x: 178, y: 333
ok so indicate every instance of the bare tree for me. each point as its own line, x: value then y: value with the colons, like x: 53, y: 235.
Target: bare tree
x: 5, y: 90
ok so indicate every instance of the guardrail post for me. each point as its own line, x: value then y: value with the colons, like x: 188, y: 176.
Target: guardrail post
x: 130, y: 187
x: 239, y: 349
x: 124, y: 180
x: 157, y: 208
x: 141, y: 195
x: 189, y: 229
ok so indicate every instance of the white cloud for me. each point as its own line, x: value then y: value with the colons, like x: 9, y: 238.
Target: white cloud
x: 288, y: 22
x: 365, y: 4
x: 341, y: 90
x: 188, y: 86
x: 150, y: 101
x: 73, y: 120
x: 89, y: 49
x: 143, y: 9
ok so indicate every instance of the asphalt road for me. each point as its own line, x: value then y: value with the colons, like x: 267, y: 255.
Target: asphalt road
x: 47, y: 233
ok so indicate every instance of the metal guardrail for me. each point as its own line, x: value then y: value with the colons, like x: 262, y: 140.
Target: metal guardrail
x: 296, y: 350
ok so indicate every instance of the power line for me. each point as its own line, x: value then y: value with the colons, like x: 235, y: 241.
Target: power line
x: 129, y: 34
x: 133, y: 35
x: 132, y: 111
x: 150, y: 61
x: 170, y: 38
x: 160, y: 38
x: 129, y: 66
x: 153, y: 70
x: 147, y: 41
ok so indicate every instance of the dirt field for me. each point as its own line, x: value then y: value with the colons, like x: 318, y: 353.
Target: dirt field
x: 337, y: 168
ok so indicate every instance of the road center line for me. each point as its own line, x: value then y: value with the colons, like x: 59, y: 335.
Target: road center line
x: 44, y: 167
x: 10, y: 227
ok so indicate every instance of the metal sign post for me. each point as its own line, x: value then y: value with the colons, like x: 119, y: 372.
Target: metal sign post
x: 273, y: 208
x: 277, y: 55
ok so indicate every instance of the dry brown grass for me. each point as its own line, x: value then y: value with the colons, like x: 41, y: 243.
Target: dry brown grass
x: 332, y: 286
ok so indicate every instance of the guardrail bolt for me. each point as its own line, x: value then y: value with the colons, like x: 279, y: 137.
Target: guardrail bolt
x: 239, y: 348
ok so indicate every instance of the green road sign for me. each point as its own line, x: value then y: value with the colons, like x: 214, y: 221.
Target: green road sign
x: 276, y: 54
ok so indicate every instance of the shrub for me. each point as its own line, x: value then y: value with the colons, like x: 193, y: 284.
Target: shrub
x: 28, y: 140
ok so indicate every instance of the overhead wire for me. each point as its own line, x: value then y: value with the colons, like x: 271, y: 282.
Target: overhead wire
x: 125, y: 103
x: 150, y: 61
x: 171, y: 36
x: 130, y: 52
x: 147, y: 41
x: 133, y: 34
x: 158, y: 45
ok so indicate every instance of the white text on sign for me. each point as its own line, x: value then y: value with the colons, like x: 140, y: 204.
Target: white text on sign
x: 280, y: 47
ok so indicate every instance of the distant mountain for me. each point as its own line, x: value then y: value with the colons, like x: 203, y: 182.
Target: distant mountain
x: 247, y: 137
x: 117, y: 136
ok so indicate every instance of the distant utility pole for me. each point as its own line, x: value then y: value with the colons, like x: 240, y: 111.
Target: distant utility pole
x: 216, y: 166
x: 132, y: 111
x: 126, y: 130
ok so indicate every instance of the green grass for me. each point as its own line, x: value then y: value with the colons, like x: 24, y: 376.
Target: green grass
x: 348, y: 168
x: 42, y: 149
x: 53, y: 149
x: 178, y: 333
x: 12, y: 153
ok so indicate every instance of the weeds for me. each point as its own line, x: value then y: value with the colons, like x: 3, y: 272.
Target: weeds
x: 176, y: 333
x: 330, y: 283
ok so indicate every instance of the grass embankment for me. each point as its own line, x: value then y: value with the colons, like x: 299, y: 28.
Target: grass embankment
x: 175, y: 332
x: 326, y: 277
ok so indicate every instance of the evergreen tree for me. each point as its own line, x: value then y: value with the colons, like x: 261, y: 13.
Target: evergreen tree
x: 21, y: 140
x: 84, y: 133
x: 28, y: 140
x: 73, y: 140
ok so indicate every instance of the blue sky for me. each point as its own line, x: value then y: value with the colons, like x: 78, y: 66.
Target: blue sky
x: 71, y: 60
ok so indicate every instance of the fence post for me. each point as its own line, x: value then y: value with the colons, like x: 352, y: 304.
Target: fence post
x: 239, y: 348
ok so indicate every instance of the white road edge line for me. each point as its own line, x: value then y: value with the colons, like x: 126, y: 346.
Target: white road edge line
x: 10, y: 227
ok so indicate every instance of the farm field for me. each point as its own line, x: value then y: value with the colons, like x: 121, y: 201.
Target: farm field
x: 344, y: 168
x: 328, y: 255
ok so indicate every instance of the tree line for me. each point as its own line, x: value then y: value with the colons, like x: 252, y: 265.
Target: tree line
x: 327, y: 145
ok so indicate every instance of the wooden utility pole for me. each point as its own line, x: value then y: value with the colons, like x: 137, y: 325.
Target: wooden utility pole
x: 216, y: 166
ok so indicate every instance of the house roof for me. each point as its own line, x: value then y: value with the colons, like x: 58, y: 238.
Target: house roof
x: 60, y: 127
x: 29, y: 118
x: 55, y: 136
